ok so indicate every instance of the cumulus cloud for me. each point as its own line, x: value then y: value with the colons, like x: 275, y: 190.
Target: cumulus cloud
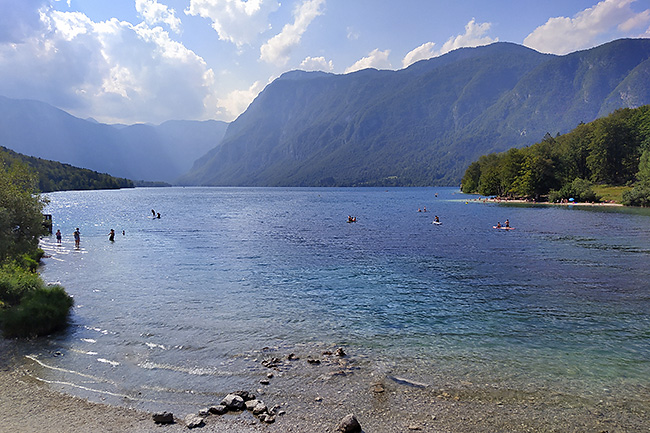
x: 474, y: 36
x: 423, y: 52
x: 237, y: 101
x: 113, y: 71
x: 278, y: 48
x: 376, y: 59
x: 316, y: 64
x: 562, y: 35
x: 155, y: 13
x: 236, y: 21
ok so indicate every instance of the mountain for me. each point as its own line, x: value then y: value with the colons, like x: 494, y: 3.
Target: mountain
x: 422, y: 125
x: 142, y: 152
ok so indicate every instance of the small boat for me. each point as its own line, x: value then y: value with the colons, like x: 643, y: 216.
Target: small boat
x: 503, y: 228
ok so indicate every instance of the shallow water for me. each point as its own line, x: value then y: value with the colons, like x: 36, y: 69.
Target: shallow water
x: 176, y: 310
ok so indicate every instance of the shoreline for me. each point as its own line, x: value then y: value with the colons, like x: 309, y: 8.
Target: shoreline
x: 316, y: 396
x: 519, y: 201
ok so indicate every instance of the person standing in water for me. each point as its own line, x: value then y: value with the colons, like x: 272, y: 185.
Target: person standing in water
x: 58, y: 236
x: 77, y: 238
x: 111, y: 236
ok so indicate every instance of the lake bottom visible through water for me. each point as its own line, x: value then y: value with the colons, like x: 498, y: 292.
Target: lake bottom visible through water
x: 550, y: 317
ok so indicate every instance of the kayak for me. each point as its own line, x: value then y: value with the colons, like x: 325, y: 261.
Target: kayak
x: 503, y: 228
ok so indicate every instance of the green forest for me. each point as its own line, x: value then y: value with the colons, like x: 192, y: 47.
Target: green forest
x: 55, y: 176
x: 614, y: 150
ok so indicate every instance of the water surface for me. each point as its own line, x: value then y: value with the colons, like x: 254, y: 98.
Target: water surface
x: 175, y: 309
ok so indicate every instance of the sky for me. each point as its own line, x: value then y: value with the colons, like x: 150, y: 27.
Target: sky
x: 148, y: 61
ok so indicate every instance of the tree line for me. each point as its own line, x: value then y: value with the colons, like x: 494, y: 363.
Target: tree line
x: 614, y: 150
x: 55, y: 176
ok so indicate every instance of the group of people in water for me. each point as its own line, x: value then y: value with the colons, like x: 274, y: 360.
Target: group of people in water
x: 111, y: 235
x: 76, y: 235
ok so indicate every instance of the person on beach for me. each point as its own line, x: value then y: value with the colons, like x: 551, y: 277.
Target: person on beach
x: 58, y: 236
x: 77, y: 237
x: 111, y: 236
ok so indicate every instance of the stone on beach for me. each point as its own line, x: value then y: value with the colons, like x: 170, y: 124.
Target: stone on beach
x: 233, y: 402
x: 219, y: 409
x: 349, y: 424
x: 260, y: 408
x: 163, y: 417
x: 245, y: 395
x: 193, y: 420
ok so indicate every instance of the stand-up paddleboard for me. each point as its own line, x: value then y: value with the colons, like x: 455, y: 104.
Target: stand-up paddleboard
x: 503, y: 228
x: 438, y: 223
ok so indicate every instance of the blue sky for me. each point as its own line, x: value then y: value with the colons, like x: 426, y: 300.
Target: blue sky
x: 132, y: 61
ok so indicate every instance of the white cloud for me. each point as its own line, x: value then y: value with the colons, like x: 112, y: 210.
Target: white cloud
x: 316, y: 64
x: 376, y: 59
x: 636, y: 21
x: 423, y: 52
x: 562, y: 35
x: 155, y: 13
x: 236, y: 21
x: 111, y: 70
x: 19, y: 19
x: 278, y: 48
x: 474, y: 36
x: 237, y: 101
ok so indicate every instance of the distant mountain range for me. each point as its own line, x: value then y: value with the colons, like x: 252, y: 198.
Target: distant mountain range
x: 422, y: 125
x: 139, y: 152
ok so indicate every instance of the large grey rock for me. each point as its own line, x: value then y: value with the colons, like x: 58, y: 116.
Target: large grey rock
x: 233, y: 402
x: 250, y: 404
x: 349, y: 424
x: 260, y: 408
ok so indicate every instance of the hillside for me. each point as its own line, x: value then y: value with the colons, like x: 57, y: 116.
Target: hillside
x: 422, y: 125
x: 142, y: 152
x: 55, y: 176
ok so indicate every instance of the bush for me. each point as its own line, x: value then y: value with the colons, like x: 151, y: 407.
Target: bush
x: 40, y: 312
x: 15, y: 283
x: 580, y: 190
x: 637, y: 196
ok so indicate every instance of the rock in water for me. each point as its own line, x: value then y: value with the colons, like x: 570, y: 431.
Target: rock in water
x: 163, y: 417
x: 349, y: 424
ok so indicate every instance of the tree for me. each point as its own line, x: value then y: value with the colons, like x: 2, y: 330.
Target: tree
x: 21, y: 217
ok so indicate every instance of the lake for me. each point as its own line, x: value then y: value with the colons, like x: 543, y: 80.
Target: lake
x: 180, y: 309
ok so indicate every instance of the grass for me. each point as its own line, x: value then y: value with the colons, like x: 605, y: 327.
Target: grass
x: 610, y: 193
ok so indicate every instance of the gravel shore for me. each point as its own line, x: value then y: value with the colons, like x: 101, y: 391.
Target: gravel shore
x: 316, y: 397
